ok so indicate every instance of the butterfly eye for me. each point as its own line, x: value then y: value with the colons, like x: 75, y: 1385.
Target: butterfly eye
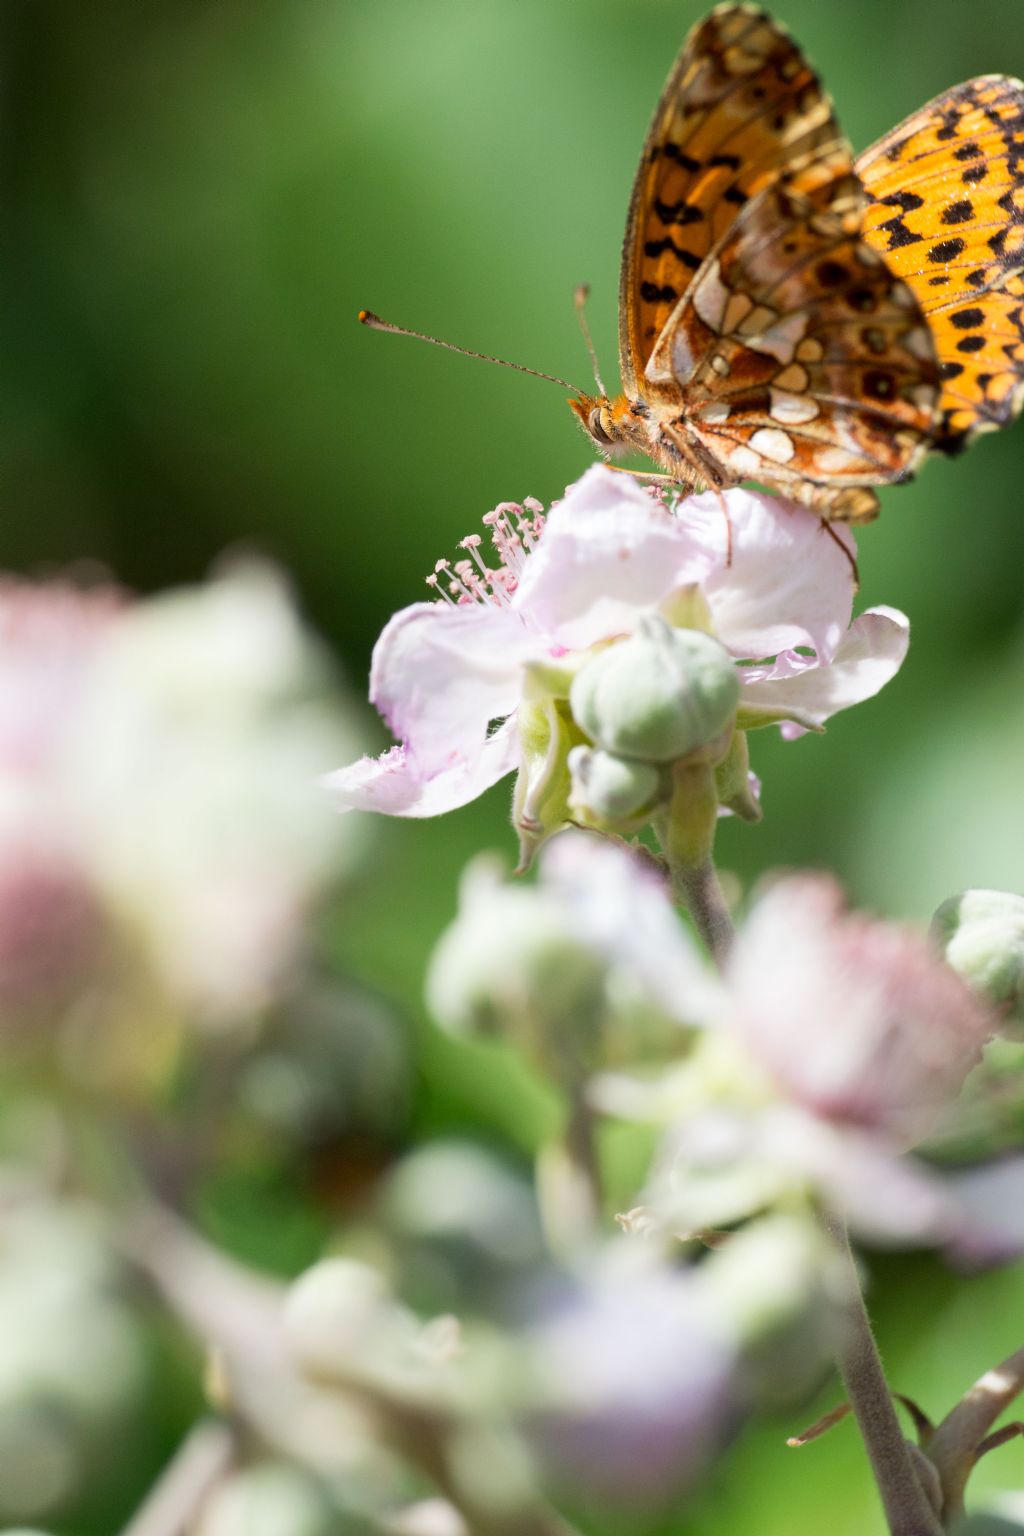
x: 595, y: 426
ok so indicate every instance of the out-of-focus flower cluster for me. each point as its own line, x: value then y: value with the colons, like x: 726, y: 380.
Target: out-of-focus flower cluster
x: 832, y: 1045
x: 165, y: 1018
x: 155, y: 761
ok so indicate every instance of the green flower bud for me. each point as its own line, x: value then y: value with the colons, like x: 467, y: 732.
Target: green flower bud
x: 981, y: 934
x: 657, y: 695
x: 342, y: 1322
x: 510, y: 966
x: 606, y: 788
x: 271, y: 1499
x: 779, y: 1285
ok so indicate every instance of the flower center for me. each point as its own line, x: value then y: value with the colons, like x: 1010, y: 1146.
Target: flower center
x: 514, y: 530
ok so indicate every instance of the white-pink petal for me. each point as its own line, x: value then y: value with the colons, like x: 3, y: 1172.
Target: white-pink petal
x: 395, y: 785
x: 788, y: 580
x: 608, y: 552
x: 869, y: 656
x: 441, y: 675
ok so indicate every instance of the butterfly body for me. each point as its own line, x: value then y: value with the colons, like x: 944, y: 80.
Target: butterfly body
x: 775, y: 323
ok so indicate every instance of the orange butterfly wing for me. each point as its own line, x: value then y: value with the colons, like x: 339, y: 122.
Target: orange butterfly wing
x: 741, y: 110
x: 806, y: 362
x: 947, y: 214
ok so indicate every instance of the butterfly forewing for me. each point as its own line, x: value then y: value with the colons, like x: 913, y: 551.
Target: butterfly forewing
x: 803, y: 360
x: 741, y: 110
x: 947, y: 213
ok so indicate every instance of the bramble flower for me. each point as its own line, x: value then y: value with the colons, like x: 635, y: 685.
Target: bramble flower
x: 854, y: 1018
x: 208, y: 714
x: 833, y: 1044
x: 514, y: 666
x: 850, y: 1040
x: 155, y: 810
x: 590, y: 961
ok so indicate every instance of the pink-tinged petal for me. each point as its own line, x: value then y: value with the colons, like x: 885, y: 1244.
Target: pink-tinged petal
x: 442, y: 674
x: 991, y: 1202
x: 788, y: 580
x: 608, y: 552
x: 883, y: 1197
x: 394, y: 784
x: 869, y: 657
x: 858, y: 1020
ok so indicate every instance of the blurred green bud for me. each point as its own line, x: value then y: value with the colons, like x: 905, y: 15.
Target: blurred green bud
x: 657, y: 695
x: 466, y: 1226
x: 510, y: 963
x: 430, y: 1517
x: 779, y: 1285
x: 73, y: 1362
x: 981, y: 934
x: 343, y: 1322
x: 606, y: 788
x: 270, y: 1499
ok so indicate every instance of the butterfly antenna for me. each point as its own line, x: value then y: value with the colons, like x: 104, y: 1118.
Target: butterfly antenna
x: 367, y: 317
x: 581, y: 293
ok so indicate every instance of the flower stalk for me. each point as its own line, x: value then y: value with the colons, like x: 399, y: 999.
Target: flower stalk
x: 908, y: 1510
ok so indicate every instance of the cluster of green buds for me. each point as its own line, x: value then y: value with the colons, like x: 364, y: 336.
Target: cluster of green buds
x: 645, y: 727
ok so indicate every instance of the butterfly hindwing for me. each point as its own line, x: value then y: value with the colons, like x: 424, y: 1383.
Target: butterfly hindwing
x: 802, y: 360
x: 947, y: 214
x: 742, y: 109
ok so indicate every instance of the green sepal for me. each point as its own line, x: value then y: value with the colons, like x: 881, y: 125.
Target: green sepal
x: 732, y: 780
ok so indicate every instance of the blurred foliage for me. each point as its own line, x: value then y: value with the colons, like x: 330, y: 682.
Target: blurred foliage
x: 198, y: 195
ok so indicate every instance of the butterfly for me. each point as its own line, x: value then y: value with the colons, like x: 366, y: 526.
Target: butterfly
x: 792, y: 316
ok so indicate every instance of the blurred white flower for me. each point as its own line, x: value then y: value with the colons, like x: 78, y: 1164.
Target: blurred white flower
x: 842, y: 1042
x: 856, y: 1019
x: 157, y: 760
x: 591, y: 959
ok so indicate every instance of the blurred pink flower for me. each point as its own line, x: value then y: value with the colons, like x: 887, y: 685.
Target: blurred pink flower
x: 157, y: 769
x: 857, y: 1019
x: 641, y: 1384
x: 833, y: 1044
x: 777, y: 583
x: 51, y: 922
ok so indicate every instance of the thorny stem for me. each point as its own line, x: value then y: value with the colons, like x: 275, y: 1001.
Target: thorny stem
x: 698, y: 889
x: 908, y: 1511
x: 954, y: 1446
x: 200, y: 1462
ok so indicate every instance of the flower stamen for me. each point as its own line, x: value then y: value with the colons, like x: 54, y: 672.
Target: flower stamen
x: 514, y: 530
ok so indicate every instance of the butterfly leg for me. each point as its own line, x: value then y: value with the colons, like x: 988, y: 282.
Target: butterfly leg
x: 728, y: 524
x: 851, y: 557
x: 649, y: 478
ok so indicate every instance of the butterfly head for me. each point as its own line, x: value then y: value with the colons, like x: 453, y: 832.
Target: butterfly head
x: 613, y: 425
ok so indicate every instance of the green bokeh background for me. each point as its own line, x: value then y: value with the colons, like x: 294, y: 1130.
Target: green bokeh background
x: 197, y: 198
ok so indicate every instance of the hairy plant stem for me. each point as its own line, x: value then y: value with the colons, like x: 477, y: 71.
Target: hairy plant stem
x: 908, y: 1510
x: 697, y: 888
